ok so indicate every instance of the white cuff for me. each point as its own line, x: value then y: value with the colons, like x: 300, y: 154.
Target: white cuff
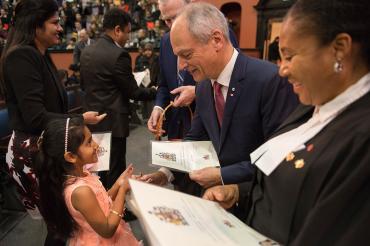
x: 158, y: 107
x: 168, y: 173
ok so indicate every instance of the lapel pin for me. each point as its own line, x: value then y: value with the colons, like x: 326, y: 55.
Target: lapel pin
x: 233, y: 89
x: 299, y: 163
x: 290, y: 156
x: 231, y: 94
x: 310, y: 147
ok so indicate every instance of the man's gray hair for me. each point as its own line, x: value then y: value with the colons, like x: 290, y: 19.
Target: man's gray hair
x: 202, y: 19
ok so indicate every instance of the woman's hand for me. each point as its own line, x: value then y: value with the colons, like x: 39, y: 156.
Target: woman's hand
x: 92, y: 117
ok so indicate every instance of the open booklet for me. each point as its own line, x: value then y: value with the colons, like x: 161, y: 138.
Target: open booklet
x: 173, y: 218
x: 142, y: 78
x: 184, y: 156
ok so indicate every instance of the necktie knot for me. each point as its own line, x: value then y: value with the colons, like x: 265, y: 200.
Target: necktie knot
x: 217, y: 86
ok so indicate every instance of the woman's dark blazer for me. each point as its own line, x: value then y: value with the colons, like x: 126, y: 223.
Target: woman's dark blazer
x: 34, y: 94
x: 326, y: 201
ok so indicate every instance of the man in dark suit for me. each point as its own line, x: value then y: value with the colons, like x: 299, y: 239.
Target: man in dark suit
x: 240, y: 101
x: 109, y: 84
x: 175, y: 84
x: 171, y: 78
x: 84, y: 41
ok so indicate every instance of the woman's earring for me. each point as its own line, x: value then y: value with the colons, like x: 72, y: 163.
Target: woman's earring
x: 338, y: 66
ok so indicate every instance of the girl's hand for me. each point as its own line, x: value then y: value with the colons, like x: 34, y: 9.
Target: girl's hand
x: 128, y: 172
x: 123, y: 179
x: 124, y: 184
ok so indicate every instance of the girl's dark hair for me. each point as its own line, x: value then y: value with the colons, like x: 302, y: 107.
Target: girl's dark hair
x: 327, y: 18
x: 51, y: 170
x: 28, y: 15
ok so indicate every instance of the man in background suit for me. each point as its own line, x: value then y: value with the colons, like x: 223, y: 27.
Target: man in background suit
x: 84, y: 41
x: 240, y: 101
x: 109, y: 84
x: 175, y: 85
x: 172, y: 81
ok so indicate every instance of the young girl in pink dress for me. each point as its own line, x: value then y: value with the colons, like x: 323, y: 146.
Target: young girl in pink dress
x: 74, y: 203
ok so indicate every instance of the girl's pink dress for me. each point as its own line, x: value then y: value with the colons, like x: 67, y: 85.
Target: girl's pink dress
x: 85, y: 234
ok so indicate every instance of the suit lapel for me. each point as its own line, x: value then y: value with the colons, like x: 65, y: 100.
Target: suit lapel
x: 58, y: 84
x: 171, y: 62
x: 291, y: 187
x: 233, y: 94
x: 211, y: 117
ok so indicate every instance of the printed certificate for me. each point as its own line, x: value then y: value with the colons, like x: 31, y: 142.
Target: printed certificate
x: 173, y: 218
x: 142, y: 78
x: 104, y: 141
x: 184, y: 156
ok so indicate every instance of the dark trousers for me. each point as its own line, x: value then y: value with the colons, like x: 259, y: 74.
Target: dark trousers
x: 117, y: 162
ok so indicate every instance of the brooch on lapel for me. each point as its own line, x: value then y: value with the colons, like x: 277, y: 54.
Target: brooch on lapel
x: 298, y: 164
x: 290, y: 156
x: 233, y: 90
x: 309, y: 147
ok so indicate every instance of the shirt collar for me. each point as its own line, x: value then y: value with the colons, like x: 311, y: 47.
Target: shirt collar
x: 117, y: 44
x: 339, y: 103
x: 225, y: 75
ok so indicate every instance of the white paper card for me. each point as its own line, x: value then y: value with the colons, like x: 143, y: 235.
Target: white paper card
x: 142, y: 78
x: 184, y: 156
x: 174, y: 218
x: 104, y: 141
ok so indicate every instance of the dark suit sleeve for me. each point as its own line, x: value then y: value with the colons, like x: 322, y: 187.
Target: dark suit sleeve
x: 163, y: 93
x: 28, y: 87
x: 236, y: 173
x: 76, y: 54
x: 126, y: 81
x: 278, y: 101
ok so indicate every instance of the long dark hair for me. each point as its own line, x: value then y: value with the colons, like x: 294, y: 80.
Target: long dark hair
x: 327, y: 18
x: 28, y: 15
x: 51, y: 170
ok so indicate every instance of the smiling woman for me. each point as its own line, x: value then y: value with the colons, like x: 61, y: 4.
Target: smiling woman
x: 33, y: 93
x: 48, y: 34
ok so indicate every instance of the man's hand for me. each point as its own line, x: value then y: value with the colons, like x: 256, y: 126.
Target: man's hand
x: 186, y: 95
x: 157, y: 178
x: 92, y: 117
x: 226, y: 195
x: 207, y: 177
x: 153, y: 120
